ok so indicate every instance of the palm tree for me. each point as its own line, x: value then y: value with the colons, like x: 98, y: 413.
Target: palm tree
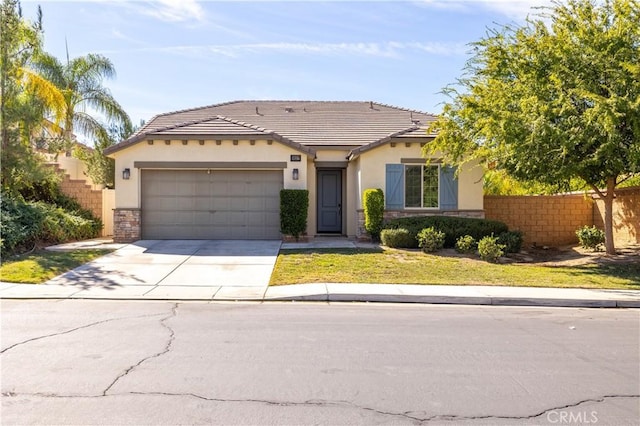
x: 81, y: 82
x: 24, y: 94
x: 25, y: 97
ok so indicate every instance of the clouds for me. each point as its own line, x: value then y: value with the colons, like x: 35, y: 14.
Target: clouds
x: 163, y: 10
x: 390, y: 49
x: 174, y: 10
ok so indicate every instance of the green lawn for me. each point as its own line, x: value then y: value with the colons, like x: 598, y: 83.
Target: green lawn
x: 42, y: 265
x: 413, y: 267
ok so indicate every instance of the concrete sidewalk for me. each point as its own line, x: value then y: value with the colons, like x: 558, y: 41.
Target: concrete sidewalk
x: 330, y: 292
x: 235, y: 271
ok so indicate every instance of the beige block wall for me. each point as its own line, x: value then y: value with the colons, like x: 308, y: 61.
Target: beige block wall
x: 626, y: 215
x: 128, y: 193
x: 545, y: 220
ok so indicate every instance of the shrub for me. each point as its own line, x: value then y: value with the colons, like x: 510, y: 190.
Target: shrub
x: 453, y: 227
x: 398, y: 238
x: 294, y: 204
x: 430, y: 240
x: 590, y: 237
x: 373, y: 200
x: 466, y: 244
x: 59, y: 225
x: 489, y: 249
x: 23, y: 224
x: 19, y: 224
x: 511, y: 240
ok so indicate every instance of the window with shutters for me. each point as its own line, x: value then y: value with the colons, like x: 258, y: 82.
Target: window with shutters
x: 415, y: 186
x: 422, y: 186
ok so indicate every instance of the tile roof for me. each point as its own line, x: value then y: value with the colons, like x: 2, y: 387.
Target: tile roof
x: 305, y: 124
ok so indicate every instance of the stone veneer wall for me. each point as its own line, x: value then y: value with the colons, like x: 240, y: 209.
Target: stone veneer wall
x: 394, y: 214
x: 126, y: 225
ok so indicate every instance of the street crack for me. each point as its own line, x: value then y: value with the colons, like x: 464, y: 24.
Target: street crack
x: 408, y: 415
x: 74, y: 329
x: 167, y: 348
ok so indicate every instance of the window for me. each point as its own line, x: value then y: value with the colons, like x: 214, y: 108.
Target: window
x: 410, y: 186
x: 421, y: 186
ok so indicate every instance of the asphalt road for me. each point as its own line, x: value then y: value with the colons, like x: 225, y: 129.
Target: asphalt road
x: 106, y: 362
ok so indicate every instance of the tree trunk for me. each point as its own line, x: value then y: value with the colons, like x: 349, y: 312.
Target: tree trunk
x: 608, y: 216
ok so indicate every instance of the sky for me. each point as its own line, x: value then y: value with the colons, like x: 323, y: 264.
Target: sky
x: 176, y: 54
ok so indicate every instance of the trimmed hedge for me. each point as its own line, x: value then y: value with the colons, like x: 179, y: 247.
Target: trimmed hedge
x: 512, y: 241
x: 453, y: 227
x: 397, y: 238
x: 373, y: 201
x: 430, y: 240
x: 489, y: 249
x: 294, y: 205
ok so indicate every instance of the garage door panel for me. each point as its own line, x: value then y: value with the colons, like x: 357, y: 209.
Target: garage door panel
x: 217, y: 205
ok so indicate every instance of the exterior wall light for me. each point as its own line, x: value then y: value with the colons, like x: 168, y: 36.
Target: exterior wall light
x: 296, y: 174
x: 126, y: 174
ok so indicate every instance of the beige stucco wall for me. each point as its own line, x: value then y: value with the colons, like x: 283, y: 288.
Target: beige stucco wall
x: 470, y: 190
x: 372, y: 173
x: 332, y: 154
x: 312, y: 182
x: 74, y: 167
x: 108, y: 204
x: 128, y: 191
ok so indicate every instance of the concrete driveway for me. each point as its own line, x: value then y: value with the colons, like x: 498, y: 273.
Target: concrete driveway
x: 203, y: 269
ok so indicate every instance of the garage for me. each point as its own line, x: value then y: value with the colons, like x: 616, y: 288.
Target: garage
x: 211, y: 204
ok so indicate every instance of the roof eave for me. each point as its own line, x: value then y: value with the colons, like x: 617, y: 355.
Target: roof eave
x: 355, y: 153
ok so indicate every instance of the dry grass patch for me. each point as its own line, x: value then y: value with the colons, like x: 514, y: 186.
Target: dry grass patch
x: 42, y: 265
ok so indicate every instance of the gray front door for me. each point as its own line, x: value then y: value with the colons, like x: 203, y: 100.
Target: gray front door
x: 330, y: 201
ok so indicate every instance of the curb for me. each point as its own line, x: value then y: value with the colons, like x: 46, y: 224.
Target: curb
x: 460, y: 300
x: 379, y: 298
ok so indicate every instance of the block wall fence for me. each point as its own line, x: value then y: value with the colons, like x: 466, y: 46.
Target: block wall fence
x: 552, y: 220
x: 99, y: 201
x: 626, y: 215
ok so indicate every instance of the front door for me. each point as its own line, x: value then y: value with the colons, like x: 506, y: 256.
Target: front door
x: 330, y: 201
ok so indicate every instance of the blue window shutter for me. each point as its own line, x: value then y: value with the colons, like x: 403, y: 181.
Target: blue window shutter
x: 394, y: 190
x: 448, y: 188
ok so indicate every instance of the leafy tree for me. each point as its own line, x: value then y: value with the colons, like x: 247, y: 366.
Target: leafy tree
x: 499, y: 182
x: 81, y: 82
x: 553, y: 100
x: 100, y: 168
x: 24, y: 98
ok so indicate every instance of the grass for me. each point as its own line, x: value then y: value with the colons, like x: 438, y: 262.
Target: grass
x: 42, y: 265
x: 392, y: 266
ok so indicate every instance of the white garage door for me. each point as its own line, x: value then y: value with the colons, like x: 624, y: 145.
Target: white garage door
x: 201, y: 204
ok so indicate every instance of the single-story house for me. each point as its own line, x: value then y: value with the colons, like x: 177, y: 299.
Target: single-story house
x: 216, y: 172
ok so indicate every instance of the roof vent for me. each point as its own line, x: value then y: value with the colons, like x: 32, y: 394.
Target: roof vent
x: 370, y: 104
x: 288, y: 109
x: 414, y: 120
